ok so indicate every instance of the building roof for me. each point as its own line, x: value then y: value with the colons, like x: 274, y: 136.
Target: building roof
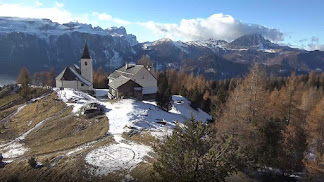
x: 70, y: 74
x: 124, y: 74
x: 86, y: 53
x: 119, y: 82
x: 129, y: 70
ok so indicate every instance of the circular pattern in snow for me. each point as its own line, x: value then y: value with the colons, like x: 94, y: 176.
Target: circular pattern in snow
x: 121, y: 156
x: 113, y: 157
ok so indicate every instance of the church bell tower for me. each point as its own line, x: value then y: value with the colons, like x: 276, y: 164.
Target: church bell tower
x: 86, y: 64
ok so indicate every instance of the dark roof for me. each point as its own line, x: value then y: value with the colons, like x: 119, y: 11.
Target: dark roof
x: 67, y: 75
x: 70, y: 74
x: 86, y: 53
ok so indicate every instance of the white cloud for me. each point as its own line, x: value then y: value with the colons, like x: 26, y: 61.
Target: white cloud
x: 217, y: 26
x: 315, y: 39
x: 38, y: 3
x: 315, y: 44
x: 60, y: 5
x: 55, y: 14
x: 107, y: 17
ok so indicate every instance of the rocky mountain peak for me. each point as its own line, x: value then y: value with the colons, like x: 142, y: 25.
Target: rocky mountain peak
x: 249, y: 41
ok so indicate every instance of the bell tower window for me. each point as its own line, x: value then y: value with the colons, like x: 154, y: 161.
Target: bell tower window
x: 86, y: 63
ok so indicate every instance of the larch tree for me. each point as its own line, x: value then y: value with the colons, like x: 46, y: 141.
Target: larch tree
x: 294, y: 136
x: 51, y: 78
x: 24, y: 76
x: 315, y: 128
x: 146, y: 61
x: 100, y: 78
x: 244, y: 110
x: 309, y: 99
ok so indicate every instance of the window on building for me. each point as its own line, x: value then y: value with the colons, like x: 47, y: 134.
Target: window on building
x: 143, y: 77
x: 82, y: 84
x: 86, y: 63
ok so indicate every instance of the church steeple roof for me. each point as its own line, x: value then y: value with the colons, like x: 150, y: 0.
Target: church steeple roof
x: 86, y: 53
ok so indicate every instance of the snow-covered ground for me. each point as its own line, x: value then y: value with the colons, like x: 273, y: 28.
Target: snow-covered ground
x: 123, y: 116
x: 129, y: 113
x: 115, y: 157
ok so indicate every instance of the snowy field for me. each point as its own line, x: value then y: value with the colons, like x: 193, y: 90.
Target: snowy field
x: 124, y: 115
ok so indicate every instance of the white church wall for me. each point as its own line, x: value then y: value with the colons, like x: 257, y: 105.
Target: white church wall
x: 87, y: 69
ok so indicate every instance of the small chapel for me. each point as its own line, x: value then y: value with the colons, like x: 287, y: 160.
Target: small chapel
x: 76, y: 77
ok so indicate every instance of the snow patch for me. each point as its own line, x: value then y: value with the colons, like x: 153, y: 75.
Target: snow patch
x: 116, y: 61
x: 116, y: 157
x: 13, y: 150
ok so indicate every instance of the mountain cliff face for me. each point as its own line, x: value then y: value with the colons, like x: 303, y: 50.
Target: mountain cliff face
x: 40, y: 44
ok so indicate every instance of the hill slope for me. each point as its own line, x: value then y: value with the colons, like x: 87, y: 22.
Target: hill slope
x: 101, y: 148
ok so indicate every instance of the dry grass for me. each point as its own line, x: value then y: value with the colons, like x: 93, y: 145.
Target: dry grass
x: 7, y: 99
x: 71, y: 168
x: 66, y: 132
x: 67, y: 169
x: 30, y: 116
x: 143, y: 172
x: 239, y: 177
x: 58, y: 135
x: 7, y: 112
x: 143, y: 137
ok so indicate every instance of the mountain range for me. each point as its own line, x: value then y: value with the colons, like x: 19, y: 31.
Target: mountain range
x: 40, y: 44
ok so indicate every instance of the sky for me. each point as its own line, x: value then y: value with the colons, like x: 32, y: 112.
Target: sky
x: 297, y: 23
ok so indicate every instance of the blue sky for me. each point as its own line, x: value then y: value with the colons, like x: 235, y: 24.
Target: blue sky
x: 298, y: 23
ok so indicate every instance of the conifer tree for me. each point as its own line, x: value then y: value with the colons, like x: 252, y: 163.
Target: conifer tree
x: 190, y: 154
x: 163, y: 95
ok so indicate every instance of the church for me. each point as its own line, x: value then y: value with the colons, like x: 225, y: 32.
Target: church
x: 76, y: 78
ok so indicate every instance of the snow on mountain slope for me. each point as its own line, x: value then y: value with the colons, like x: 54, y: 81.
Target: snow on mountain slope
x: 212, y: 44
x: 44, y: 28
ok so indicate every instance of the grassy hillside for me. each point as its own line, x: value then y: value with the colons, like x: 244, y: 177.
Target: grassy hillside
x: 29, y: 116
